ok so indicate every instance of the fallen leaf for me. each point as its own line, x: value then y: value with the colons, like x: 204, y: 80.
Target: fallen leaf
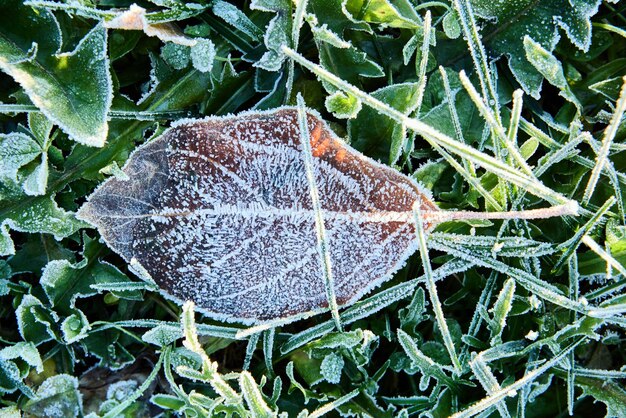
x: 219, y: 211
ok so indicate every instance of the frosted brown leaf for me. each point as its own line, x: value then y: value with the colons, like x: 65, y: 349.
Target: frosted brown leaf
x: 220, y: 211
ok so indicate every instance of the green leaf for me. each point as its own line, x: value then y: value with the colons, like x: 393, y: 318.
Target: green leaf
x: 32, y: 215
x: 254, y: 398
x: 501, y: 310
x: 72, y: 89
x: 34, y: 321
x: 64, y: 282
x: 175, y: 55
x: 277, y: 34
x: 25, y: 351
x: 75, y: 327
x: 373, y: 133
x: 235, y: 17
x: 167, y: 402
x: 57, y: 397
x: 550, y: 68
x: 508, y: 22
x: 610, y: 393
x: 16, y: 150
x: 162, y: 335
x: 343, y: 105
x: 332, y: 367
x: 387, y: 13
x: 203, y: 55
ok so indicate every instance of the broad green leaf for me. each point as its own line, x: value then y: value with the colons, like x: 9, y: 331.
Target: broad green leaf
x: 387, y: 13
x: 25, y: 351
x: 33, y: 215
x: 549, y: 67
x: 64, y: 282
x: 34, y: 321
x: 610, y: 393
x: 176, y: 55
x: 162, y: 335
x: 508, y: 22
x: 73, y: 89
x: 16, y: 150
x: 277, y: 33
x: 57, y: 397
x: 373, y: 133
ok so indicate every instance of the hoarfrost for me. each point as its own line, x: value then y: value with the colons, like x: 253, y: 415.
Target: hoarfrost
x: 219, y: 211
x: 58, y: 396
x: 331, y: 367
x: 177, y: 56
x: 203, y: 55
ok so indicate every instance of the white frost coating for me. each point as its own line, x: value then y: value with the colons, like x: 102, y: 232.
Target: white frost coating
x: 219, y: 211
x: 203, y: 55
x: 331, y: 367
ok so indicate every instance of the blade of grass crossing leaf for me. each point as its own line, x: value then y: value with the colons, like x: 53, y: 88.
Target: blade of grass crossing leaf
x: 502, y: 393
x: 432, y: 288
x: 331, y: 406
x: 432, y: 135
x: 320, y: 228
x: 609, y: 135
x: 298, y: 20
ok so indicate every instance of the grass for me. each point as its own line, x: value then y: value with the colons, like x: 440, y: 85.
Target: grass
x: 486, y: 107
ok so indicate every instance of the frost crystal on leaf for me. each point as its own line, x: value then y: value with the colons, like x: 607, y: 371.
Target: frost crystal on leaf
x: 219, y: 211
